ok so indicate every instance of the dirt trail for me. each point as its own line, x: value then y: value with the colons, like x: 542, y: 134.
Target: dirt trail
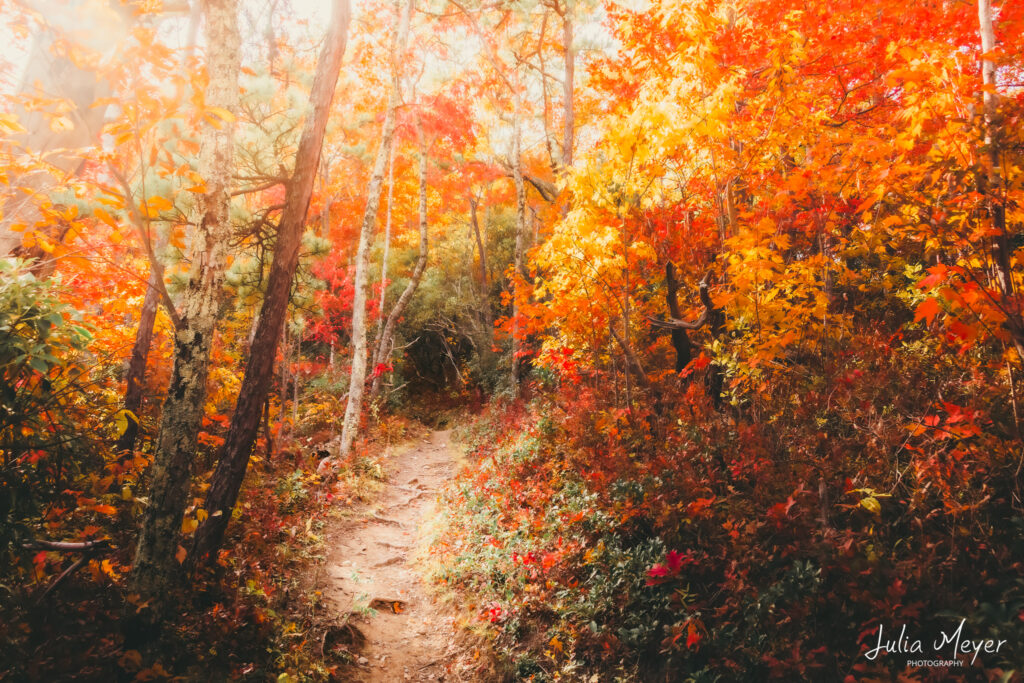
x: 373, y: 564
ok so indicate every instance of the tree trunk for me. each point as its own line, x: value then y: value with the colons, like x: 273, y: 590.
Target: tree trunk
x: 680, y: 339
x: 485, y: 287
x: 517, y: 177
x: 357, y: 378
x: 140, y: 354
x: 387, y: 249
x: 569, y: 111
x: 234, y: 456
x: 1000, y: 246
x: 156, y: 563
x: 1001, y: 250
x: 387, y: 339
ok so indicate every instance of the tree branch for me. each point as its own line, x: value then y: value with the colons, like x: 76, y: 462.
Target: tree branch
x: 141, y: 227
x: 674, y: 323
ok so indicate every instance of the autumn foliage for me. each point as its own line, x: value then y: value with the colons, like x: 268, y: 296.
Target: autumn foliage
x: 739, y: 282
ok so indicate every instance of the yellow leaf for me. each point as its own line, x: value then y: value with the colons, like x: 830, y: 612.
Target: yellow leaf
x: 221, y: 112
x: 871, y: 504
x: 126, y: 492
x: 189, y: 524
x: 201, y: 515
x: 105, y: 217
x: 121, y: 419
x: 555, y: 643
x: 9, y: 124
x: 159, y: 203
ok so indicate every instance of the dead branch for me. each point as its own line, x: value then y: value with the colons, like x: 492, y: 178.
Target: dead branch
x: 674, y: 323
x: 68, y: 547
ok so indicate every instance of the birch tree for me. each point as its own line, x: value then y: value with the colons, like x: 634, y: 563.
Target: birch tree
x: 357, y: 378
x: 158, y: 554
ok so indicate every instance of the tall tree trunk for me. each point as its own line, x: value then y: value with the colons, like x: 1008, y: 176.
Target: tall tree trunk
x: 485, y: 287
x: 1000, y: 246
x: 133, y: 393
x: 387, y: 339
x: 234, y: 456
x: 357, y: 378
x: 569, y: 110
x: 517, y: 177
x: 156, y: 558
x: 546, y: 112
x: 387, y: 249
x: 1001, y: 250
x: 325, y: 213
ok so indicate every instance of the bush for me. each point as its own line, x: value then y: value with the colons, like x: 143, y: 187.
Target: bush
x: 44, y: 442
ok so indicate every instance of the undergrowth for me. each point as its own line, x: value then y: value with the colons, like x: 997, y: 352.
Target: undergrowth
x: 600, y: 544
x: 259, y: 614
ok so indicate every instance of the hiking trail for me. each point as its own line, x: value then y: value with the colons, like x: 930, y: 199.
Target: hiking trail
x: 374, y: 571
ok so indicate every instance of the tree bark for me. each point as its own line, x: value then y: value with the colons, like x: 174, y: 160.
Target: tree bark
x: 234, y: 456
x: 357, y: 378
x: 156, y: 564
x: 133, y: 393
x: 993, y: 181
x: 680, y: 340
x: 517, y: 177
x: 1000, y: 246
x: 569, y: 111
x: 387, y: 339
x: 387, y: 249
x: 485, y: 286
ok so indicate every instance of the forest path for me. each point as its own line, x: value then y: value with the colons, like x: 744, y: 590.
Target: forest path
x: 373, y: 562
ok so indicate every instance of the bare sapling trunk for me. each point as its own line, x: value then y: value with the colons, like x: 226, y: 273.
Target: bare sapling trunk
x: 387, y: 249
x: 569, y: 111
x: 136, y: 379
x: 993, y: 181
x: 517, y: 177
x: 387, y: 339
x: 357, y: 378
x: 157, y: 557
x: 485, y: 287
x: 252, y: 397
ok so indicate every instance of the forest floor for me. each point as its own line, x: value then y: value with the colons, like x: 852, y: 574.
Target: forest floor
x: 376, y: 570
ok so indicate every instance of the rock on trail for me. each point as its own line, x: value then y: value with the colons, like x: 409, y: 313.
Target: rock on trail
x: 372, y: 565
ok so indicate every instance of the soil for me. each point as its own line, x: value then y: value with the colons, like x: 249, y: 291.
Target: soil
x: 376, y: 573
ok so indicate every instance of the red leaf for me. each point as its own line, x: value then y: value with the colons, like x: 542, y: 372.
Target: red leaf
x: 927, y: 310
x: 656, y: 574
x: 692, y: 635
